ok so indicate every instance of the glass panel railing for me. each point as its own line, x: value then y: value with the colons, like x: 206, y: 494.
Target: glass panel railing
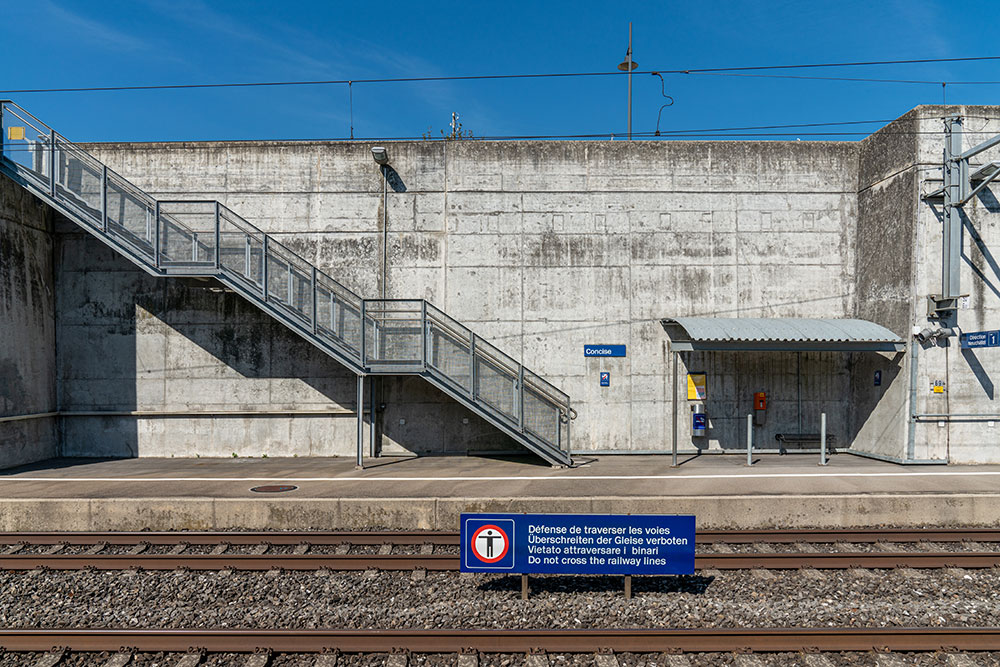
x: 544, y: 413
x: 496, y: 379
x: 78, y: 181
x: 289, y: 280
x: 394, y: 334
x: 26, y: 145
x: 131, y: 214
x: 241, y: 249
x: 338, y: 314
x: 187, y: 234
x: 449, y: 348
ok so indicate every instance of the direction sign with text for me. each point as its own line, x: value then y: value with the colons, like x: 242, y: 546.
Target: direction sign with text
x: 975, y: 339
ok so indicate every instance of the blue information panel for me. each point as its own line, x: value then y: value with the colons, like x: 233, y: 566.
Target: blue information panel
x: 980, y: 339
x: 605, y: 379
x: 604, y: 350
x: 578, y: 543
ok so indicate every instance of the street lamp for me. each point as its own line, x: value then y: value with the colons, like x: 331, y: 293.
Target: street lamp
x: 627, y: 66
x: 380, y: 155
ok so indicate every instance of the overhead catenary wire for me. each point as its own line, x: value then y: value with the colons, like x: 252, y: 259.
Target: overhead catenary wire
x: 538, y: 75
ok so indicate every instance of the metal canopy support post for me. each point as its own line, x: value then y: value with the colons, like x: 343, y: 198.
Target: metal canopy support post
x: 673, y: 406
x: 361, y: 422
x: 822, y: 439
x: 750, y: 440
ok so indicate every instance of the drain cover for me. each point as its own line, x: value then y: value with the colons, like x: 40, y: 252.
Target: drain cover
x: 274, y: 488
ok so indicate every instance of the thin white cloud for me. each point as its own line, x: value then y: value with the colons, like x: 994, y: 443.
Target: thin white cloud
x: 93, y: 31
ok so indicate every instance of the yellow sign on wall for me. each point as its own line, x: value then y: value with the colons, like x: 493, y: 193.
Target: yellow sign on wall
x: 15, y: 133
x: 697, y: 387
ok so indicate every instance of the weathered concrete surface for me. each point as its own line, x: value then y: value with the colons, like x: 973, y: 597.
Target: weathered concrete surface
x: 542, y: 247
x: 969, y: 376
x: 886, y: 244
x: 27, y: 328
x: 431, y: 493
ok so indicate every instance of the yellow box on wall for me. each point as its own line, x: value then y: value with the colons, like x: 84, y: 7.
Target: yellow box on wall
x: 697, y: 386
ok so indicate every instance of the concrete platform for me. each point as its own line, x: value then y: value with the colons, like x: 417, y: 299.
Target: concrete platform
x: 429, y: 493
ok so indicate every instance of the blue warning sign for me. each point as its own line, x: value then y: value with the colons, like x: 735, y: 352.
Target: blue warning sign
x: 578, y: 543
x: 605, y: 379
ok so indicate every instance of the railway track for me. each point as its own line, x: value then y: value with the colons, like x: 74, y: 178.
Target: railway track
x: 420, y: 537
x: 509, y: 641
x: 300, y: 559
x: 448, y: 563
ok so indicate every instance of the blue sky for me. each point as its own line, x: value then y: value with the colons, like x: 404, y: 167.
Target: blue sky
x: 58, y: 43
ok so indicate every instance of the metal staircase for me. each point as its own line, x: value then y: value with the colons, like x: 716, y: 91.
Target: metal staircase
x: 206, y: 239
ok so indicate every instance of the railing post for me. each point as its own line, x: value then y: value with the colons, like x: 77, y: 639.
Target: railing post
x: 194, y: 247
x: 104, y: 198
x: 472, y: 366
x: 289, y: 290
x: 749, y: 440
x: 218, y: 237
x: 52, y: 163
x: 559, y: 423
x: 156, y: 231
x: 423, y: 334
x: 520, y: 399
x: 361, y: 422
x: 569, y: 421
x: 333, y: 316
x: 364, y: 347
x: 263, y: 267
x: 313, y: 318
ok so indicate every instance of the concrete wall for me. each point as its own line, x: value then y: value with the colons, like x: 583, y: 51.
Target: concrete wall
x: 540, y: 247
x: 969, y: 375
x: 27, y: 328
x: 888, y: 180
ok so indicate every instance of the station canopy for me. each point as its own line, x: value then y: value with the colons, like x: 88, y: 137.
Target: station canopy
x: 783, y: 334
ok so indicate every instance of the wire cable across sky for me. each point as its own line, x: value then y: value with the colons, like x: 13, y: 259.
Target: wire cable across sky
x: 542, y: 75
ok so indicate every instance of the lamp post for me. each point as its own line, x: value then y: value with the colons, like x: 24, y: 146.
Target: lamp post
x: 627, y: 66
x: 381, y: 157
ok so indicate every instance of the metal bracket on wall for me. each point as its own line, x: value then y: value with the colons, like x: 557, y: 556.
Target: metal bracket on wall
x: 941, y: 308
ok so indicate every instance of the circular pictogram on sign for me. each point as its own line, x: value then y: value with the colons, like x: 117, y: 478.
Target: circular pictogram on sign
x: 490, y: 543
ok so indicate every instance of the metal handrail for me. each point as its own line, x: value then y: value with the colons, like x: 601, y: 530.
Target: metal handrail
x: 378, y: 315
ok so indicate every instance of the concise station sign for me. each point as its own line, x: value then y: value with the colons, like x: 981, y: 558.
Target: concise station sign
x: 578, y: 543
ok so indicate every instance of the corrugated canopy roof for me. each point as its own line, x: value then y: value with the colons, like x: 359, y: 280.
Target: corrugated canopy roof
x: 779, y: 333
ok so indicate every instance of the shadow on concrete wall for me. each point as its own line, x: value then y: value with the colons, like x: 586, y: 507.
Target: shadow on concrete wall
x: 130, y: 341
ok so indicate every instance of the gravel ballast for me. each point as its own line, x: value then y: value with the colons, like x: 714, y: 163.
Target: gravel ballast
x: 324, y: 599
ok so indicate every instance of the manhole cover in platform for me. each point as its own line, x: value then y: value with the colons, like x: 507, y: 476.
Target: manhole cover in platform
x: 274, y: 488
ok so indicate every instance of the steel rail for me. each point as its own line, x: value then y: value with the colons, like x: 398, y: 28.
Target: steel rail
x: 329, y: 538
x: 450, y: 562
x: 510, y: 641
x: 205, y: 538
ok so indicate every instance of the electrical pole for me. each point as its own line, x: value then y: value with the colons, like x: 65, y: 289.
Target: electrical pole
x: 630, y: 81
x: 628, y: 66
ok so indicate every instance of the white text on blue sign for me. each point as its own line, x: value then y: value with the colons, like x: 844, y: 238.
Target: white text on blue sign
x: 975, y: 339
x: 578, y: 543
x: 604, y: 350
